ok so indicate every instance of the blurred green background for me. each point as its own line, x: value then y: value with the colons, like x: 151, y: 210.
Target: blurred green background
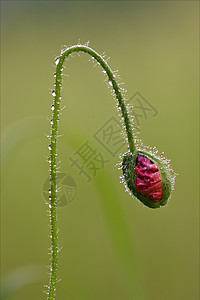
x: 112, y: 246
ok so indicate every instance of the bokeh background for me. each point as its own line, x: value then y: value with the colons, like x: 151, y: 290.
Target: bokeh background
x: 111, y: 246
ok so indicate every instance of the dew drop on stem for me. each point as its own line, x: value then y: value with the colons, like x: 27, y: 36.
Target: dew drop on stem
x: 57, y: 60
x: 110, y: 83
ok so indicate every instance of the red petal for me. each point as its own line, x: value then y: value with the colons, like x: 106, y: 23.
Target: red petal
x: 148, y: 181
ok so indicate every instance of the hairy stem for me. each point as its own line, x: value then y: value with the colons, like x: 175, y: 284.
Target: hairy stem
x: 53, y: 146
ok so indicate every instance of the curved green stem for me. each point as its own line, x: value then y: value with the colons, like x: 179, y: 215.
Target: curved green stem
x: 53, y: 145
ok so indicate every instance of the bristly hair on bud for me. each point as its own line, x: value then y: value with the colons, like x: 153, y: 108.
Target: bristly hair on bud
x: 148, y: 177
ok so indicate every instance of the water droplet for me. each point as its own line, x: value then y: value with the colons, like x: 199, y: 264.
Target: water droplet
x: 110, y: 83
x: 49, y: 147
x: 52, y: 107
x: 57, y: 60
x: 63, y: 50
x: 53, y: 93
x: 51, y: 121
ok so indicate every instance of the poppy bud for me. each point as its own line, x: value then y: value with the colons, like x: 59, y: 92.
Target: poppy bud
x: 148, y: 177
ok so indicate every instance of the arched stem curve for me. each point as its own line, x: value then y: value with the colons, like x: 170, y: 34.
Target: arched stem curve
x: 53, y: 145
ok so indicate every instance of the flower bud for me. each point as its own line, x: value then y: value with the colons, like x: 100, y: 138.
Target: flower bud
x: 148, y: 177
